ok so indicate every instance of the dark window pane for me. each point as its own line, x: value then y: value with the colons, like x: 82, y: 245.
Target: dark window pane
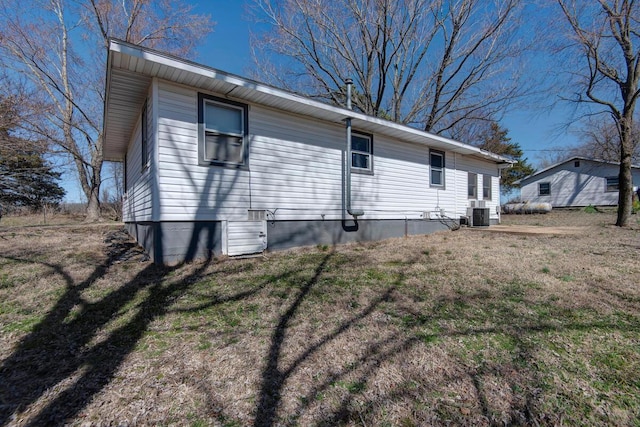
x: 359, y: 143
x: 472, y: 185
x: 544, y: 189
x: 360, y: 161
x: 436, y: 177
x: 436, y: 160
x: 486, y: 187
x: 613, y: 184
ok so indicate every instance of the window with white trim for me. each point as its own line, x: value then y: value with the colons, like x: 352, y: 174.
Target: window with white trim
x: 486, y: 187
x: 436, y: 163
x: 472, y: 185
x: 544, y: 189
x: 612, y: 184
x: 361, y: 152
x: 222, y: 131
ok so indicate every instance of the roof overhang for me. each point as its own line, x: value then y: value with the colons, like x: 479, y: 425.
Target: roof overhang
x: 131, y: 68
x: 522, y: 181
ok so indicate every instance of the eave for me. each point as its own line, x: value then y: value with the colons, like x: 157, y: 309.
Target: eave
x: 131, y: 68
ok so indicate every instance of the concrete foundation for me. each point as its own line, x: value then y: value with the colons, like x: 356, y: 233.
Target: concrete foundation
x: 173, y: 242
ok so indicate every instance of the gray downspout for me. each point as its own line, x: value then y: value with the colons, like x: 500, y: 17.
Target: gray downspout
x: 352, y: 212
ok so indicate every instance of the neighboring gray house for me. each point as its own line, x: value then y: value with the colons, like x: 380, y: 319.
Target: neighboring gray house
x: 219, y: 164
x: 575, y: 182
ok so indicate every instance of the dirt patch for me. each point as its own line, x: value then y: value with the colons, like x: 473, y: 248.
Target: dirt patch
x: 122, y: 248
x: 531, y: 229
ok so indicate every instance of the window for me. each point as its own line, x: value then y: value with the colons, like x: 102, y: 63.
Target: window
x: 613, y: 184
x: 361, y: 152
x: 436, y: 161
x: 544, y: 189
x: 222, y: 131
x: 486, y: 187
x: 145, y: 137
x: 472, y: 185
x: 576, y: 164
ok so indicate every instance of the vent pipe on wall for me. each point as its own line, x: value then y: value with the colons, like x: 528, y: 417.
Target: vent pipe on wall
x: 352, y: 212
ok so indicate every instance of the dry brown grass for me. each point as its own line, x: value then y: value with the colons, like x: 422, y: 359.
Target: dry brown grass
x: 470, y: 327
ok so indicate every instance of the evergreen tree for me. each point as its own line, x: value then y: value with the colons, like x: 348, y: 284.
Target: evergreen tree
x: 495, y: 140
x: 26, y: 178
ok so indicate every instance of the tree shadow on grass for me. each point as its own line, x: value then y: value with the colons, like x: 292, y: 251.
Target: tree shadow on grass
x: 275, y: 376
x: 515, y: 370
x: 63, y: 352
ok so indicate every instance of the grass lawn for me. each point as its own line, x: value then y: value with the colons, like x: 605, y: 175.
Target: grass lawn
x: 470, y: 327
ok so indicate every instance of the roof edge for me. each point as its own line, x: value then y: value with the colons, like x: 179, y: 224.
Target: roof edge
x: 571, y: 159
x: 149, y: 54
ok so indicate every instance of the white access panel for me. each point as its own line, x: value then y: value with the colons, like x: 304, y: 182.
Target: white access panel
x: 246, y: 237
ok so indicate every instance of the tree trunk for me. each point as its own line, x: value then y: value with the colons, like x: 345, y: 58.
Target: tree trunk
x: 93, y: 207
x: 625, y: 179
x: 92, y: 191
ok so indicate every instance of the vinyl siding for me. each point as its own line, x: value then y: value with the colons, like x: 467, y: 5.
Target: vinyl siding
x: 189, y: 191
x: 138, y: 200
x: 466, y: 164
x: 295, y: 170
x: 575, y: 186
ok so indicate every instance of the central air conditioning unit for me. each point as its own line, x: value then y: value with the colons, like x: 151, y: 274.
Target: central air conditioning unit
x: 478, y: 217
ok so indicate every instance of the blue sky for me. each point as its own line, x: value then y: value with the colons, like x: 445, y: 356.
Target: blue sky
x: 227, y: 48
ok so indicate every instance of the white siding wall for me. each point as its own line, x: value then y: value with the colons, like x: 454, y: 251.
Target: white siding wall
x: 575, y: 186
x: 464, y: 165
x: 296, y: 171
x: 137, y: 202
x: 189, y: 191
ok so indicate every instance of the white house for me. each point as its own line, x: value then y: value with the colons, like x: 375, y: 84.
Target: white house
x: 575, y: 182
x: 219, y: 164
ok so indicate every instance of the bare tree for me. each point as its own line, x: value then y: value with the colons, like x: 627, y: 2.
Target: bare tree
x: 435, y: 64
x: 601, y: 140
x: 60, y: 49
x: 605, y: 34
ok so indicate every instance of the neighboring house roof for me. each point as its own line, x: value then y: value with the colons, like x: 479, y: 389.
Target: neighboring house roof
x: 130, y: 70
x: 526, y: 179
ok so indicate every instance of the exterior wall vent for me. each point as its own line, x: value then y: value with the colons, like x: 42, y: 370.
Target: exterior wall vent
x: 256, y: 215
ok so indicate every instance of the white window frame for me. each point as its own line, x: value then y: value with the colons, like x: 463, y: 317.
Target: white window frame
x: 487, y: 189
x: 439, y: 170
x: 472, y: 185
x: 540, y: 184
x: 368, y: 154
x: 243, y: 109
